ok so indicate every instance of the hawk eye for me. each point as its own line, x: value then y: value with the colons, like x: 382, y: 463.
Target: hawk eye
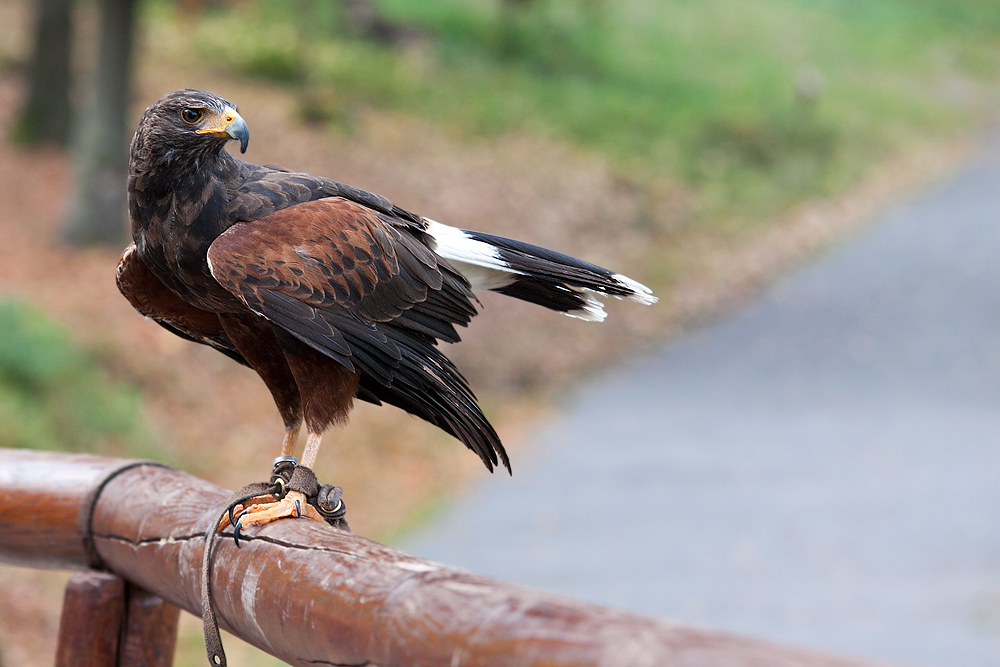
x: 191, y: 115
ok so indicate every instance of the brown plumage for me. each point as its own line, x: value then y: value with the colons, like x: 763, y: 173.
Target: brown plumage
x: 329, y: 293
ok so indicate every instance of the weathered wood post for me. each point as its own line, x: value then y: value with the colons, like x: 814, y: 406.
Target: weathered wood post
x: 107, y: 622
x: 91, y: 621
x: 149, y: 634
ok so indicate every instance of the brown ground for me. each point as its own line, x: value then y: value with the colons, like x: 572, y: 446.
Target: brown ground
x: 215, y: 419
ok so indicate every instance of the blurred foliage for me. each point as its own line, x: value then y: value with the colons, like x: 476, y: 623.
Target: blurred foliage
x: 54, y: 396
x: 755, y: 103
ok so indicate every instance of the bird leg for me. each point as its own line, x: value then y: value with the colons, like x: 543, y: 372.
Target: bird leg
x: 265, y: 509
x: 291, y: 437
x: 312, y: 449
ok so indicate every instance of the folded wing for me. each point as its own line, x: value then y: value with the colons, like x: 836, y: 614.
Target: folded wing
x: 366, y: 290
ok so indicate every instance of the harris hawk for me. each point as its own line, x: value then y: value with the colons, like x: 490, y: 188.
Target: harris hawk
x: 328, y: 292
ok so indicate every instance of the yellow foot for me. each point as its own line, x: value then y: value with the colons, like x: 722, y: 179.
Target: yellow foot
x: 265, y: 509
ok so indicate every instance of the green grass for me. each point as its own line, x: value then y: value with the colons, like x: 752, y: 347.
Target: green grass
x: 53, y: 395
x: 756, y: 104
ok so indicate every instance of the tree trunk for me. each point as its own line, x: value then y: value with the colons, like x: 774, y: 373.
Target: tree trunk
x: 45, y: 117
x: 362, y: 18
x: 99, y: 213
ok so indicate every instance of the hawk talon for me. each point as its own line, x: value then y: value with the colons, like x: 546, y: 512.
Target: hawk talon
x: 298, y: 509
x: 237, y: 527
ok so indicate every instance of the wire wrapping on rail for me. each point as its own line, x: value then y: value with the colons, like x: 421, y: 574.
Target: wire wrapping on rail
x: 286, y: 476
x: 86, y: 516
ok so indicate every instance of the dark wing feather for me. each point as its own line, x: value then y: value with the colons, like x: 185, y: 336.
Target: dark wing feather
x: 364, y: 289
x: 262, y: 190
x: 152, y: 299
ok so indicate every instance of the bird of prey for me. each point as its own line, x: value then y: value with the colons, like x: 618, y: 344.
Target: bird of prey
x: 328, y: 292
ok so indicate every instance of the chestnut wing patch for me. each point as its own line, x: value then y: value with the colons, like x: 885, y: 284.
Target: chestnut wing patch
x: 333, y: 268
x: 152, y: 299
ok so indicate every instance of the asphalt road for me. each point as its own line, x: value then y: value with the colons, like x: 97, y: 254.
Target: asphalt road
x: 821, y: 468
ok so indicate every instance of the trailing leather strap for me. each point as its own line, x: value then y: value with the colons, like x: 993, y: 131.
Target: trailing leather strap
x: 286, y: 476
x: 210, y: 624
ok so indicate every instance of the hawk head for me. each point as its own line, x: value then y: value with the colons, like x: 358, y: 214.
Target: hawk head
x: 188, y: 123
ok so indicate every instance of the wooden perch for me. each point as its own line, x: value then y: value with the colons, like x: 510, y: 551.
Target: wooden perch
x: 309, y: 594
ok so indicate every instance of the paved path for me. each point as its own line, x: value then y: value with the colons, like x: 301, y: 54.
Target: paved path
x: 821, y: 468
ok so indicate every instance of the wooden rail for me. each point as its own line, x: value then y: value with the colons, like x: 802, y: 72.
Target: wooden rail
x: 312, y: 595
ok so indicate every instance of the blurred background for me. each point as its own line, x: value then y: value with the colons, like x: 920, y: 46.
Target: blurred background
x: 702, y: 148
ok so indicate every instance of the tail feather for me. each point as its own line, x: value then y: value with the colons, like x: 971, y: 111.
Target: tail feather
x: 538, y: 275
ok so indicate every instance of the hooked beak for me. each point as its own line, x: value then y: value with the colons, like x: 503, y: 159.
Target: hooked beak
x: 230, y: 124
x: 237, y: 129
